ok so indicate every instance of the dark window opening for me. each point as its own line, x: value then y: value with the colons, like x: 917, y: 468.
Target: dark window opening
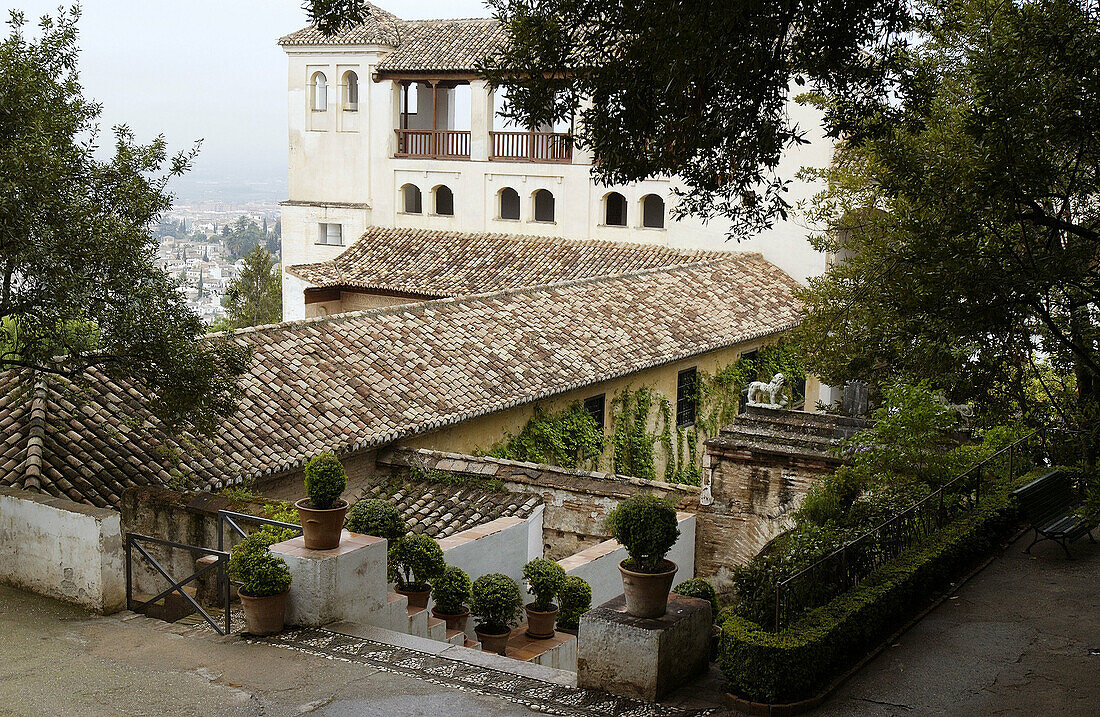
x: 544, y: 206
x: 412, y: 199
x: 615, y: 210
x: 653, y: 212
x: 444, y: 201
x: 509, y: 203
x: 595, y: 406
x: 686, y: 397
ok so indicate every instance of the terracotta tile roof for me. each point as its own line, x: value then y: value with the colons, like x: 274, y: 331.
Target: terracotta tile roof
x: 441, y: 263
x: 441, y: 510
x: 420, y: 46
x: 428, y: 46
x: 380, y: 28
x: 362, y: 380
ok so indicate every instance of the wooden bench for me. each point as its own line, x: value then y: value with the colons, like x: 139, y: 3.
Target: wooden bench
x: 1050, y: 505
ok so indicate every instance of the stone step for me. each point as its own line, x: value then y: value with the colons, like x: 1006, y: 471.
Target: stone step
x: 457, y: 637
x: 558, y: 652
x: 839, y: 425
x: 437, y: 629
x: 418, y: 621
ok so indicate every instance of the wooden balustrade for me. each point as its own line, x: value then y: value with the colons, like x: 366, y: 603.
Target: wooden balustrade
x: 433, y: 143
x: 504, y: 146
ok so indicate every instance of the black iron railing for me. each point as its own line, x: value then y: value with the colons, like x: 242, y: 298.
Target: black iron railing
x: 231, y: 519
x: 847, y: 566
x: 134, y: 542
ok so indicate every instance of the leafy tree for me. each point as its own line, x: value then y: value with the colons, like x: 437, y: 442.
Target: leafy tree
x: 699, y: 88
x: 966, y: 207
x: 256, y: 296
x: 242, y: 237
x: 78, y: 286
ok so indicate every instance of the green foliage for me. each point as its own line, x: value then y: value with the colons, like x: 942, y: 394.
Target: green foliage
x: 568, y: 438
x: 77, y: 274
x: 646, y: 526
x: 574, y: 598
x: 242, y: 238
x: 699, y: 588
x: 632, y: 442
x: 721, y: 393
x: 261, y: 573
x: 451, y: 590
x: 282, y: 511
x: 256, y: 296
x: 544, y: 579
x: 376, y: 517
x: 325, y: 480
x: 415, y: 561
x: 694, y: 89
x: 795, y: 663
x: 497, y: 603
x: 965, y: 205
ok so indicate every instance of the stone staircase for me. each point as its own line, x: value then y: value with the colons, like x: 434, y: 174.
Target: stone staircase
x: 789, y: 432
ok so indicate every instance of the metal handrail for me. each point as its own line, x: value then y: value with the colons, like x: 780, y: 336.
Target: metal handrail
x: 841, y: 553
x: 230, y: 517
x: 134, y: 540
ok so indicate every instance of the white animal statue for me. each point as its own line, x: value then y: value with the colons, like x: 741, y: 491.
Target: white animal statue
x: 758, y: 391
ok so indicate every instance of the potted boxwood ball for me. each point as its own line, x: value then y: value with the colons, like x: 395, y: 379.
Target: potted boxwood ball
x: 574, y: 599
x: 497, y: 603
x: 322, y: 511
x: 265, y: 582
x: 646, y: 526
x: 544, y: 578
x: 451, y: 591
x: 415, y: 561
x: 376, y: 517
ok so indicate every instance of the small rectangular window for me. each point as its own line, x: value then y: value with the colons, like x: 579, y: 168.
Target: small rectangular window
x: 686, y: 396
x: 594, y: 406
x: 330, y: 234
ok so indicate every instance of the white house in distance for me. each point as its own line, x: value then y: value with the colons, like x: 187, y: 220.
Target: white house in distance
x: 391, y: 127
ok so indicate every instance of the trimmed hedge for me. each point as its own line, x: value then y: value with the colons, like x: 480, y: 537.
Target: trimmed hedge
x: 797, y: 662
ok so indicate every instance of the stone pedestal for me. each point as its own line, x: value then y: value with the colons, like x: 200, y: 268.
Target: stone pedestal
x: 347, y: 583
x: 643, y: 658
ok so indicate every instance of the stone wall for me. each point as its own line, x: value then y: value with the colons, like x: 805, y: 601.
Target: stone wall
x: 63, y: 550
x: 759, y: 469
x: 576, y: 501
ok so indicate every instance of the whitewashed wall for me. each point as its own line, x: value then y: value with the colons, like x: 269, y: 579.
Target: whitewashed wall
x: 63, y: 550
x: 599, y: 565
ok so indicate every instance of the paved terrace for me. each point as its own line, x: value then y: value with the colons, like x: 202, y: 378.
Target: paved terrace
x: 1016, y: 639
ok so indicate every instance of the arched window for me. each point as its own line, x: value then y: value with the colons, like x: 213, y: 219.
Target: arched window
x: 509, y: 203
x: 653, y: 212
x: 544, y: 206
x: 320, y: 92
x: 444, y: 201
x: 411, y: 195
x: 614, y: 210
x: 351, y: 91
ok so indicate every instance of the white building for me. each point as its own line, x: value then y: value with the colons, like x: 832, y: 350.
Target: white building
x: 390, y: 126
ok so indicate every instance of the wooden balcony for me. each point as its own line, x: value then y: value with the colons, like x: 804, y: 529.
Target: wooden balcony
x: 531, y: 147
x: 433, y: 143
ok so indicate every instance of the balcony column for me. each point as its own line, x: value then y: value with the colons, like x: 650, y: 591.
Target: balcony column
x: 581, y: 156
x: 481, y: 120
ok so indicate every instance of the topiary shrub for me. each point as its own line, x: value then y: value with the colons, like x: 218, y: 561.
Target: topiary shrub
x: 646, y: 526
x: 415, y: 561
x: 261, y: 573
x: 574, y: 598
x: 497, y: 602
x: 451, y: 590
x: 544, y: 578
x: 699, y: 588
x: 326, y: 479
x: 376, y: 517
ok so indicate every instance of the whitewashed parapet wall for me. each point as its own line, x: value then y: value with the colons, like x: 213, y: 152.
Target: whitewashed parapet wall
x: 63, y: 550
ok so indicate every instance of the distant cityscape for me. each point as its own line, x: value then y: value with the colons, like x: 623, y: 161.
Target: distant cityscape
x: 203, y: 244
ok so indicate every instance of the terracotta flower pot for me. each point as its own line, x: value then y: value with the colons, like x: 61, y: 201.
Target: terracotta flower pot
x: 417, y: 598
x: 492, y: 642
x: 321, y: 528
x: 647, y: 593
x: 263, y: 615
x: 455, y: 621
x: 540, y: 625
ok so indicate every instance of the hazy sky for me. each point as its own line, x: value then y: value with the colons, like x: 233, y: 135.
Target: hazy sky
x: 207, y: 69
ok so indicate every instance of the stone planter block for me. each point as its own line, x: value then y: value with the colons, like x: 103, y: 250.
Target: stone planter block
x: 347, y: 583
x: 643, y: 658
